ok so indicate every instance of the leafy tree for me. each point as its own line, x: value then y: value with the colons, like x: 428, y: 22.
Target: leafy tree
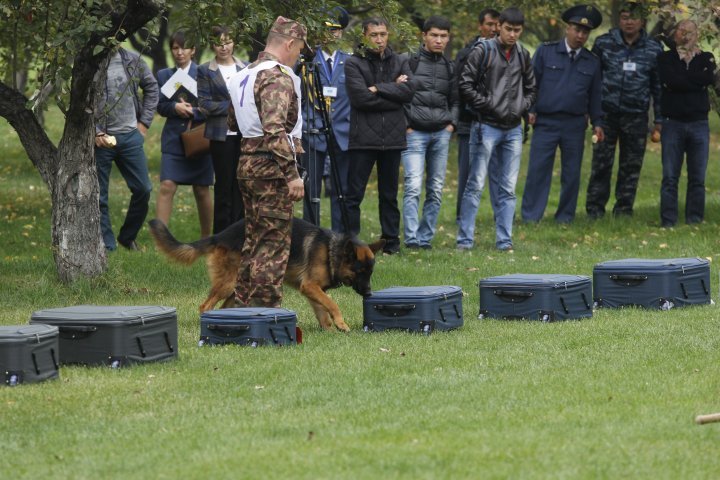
x: 71, y: 42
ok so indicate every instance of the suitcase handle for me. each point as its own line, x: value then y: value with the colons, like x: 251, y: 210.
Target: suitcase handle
x: 395, y: 310
x: 513, y: 295
x: 229, y: 329
x: 76, y: 331
x: 629, y: 280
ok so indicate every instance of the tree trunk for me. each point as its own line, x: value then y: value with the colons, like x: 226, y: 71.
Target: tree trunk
x: 77, y: 243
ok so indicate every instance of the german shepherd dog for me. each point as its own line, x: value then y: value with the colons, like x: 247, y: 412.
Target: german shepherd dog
x: 319, y: 260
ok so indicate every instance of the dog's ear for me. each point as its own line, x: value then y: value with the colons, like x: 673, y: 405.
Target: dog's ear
x: 377, y: 246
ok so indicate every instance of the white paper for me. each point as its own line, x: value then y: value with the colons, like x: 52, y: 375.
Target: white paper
x: 179, y: 78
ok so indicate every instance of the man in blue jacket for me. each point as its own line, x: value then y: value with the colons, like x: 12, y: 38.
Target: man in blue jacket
x: 329, y: 67
x: 568, y: 78
x: 122, y: 119
x: 630, y: 79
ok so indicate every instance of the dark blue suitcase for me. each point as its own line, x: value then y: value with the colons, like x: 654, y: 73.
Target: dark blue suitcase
x: 113, y: 335
x: 652, y: 283
x: 544, y: 297
x: 249, y: 326
x: 415, y: 309
x: 28, y: 354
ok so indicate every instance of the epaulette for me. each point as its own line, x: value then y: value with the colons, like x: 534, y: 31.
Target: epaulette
x: 551, y: 43
x: 284, y: 69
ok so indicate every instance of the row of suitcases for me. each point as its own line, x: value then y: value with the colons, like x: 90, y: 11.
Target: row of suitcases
x: 118, y: 336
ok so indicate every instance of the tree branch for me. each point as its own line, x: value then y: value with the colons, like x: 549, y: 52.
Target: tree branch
x: 39, y: 148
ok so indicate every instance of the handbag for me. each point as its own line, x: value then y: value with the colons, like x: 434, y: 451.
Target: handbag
x: 194, y: 141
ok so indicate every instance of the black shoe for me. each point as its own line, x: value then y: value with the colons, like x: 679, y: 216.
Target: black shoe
x: 391, y: 249
x: 131, y: 245
x: 412, y: 246
x: 426, y: 246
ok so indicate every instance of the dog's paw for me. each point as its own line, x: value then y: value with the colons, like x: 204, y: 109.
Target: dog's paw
x: 342, y: 326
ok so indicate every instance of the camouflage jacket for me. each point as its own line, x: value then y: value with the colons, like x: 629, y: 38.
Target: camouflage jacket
x: 630, y: 74
x: 278, y: 110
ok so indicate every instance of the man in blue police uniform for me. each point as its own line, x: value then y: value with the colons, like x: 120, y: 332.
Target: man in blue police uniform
x: 569, y: 85
x: 329, y: 66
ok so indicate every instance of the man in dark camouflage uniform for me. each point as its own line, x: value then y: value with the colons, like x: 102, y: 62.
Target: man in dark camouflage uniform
x: 630, y: 78
x: 265, y: 98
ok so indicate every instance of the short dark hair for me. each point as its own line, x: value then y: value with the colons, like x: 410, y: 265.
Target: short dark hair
x: 217, y: 31
x: 373, y: 21
x: 436, y: 21
x: 487, y: 11
x: 180, y: 38
x: 513, y: 16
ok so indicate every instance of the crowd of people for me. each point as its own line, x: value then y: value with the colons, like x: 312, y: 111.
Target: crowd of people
x: 390, y: 109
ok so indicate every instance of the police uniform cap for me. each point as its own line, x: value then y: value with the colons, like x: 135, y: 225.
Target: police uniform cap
x: 583, y: 15
x: 338, y: 18
x: 289, y: 28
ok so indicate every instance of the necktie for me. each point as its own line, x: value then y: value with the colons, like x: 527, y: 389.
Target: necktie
x: 329, y: 65
x: 572, y: 56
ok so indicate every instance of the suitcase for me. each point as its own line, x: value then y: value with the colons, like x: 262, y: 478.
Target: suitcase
x: 415, y: 309
x: 544, y: 297
x: 28, y: 353
x: 249, y: 326
x: 657, y: 284
x: 113, y: 335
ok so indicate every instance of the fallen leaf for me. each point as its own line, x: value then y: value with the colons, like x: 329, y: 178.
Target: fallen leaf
x: 384, y: 350
x: 535, y: 257
x: 259, y: 387
x: 472, y: 269
x: 663, y: 245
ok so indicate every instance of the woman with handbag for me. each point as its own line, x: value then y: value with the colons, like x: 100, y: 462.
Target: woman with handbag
x: 214, y: 100
x: 178, y: 166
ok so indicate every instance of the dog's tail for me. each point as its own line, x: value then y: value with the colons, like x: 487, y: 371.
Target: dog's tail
x: 185, y: 253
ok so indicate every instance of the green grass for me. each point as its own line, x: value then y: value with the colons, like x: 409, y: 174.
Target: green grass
x: 609, y: 397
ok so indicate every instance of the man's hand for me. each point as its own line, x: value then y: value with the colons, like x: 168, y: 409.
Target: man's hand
x: 142, y: 129
x: 401, y: 79
x: 655, y: 135
x: 183, y: 109
x: 599, y: 134
x: 531, y: 118
x: 373, y: 89
x: 102, y: 140
x: 450, y: 128
x: 296, y: 189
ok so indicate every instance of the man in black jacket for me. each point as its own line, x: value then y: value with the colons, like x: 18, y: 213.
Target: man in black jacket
x: 377, y: 84
x: 431, y: 116
x: 685, y: 73
x: 498, y: 83
x: 488, y: 28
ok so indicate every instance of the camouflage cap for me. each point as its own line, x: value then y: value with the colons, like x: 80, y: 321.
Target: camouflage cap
x: 289, y: 28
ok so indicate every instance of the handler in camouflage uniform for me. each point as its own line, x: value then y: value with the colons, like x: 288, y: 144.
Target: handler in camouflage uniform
x: 265, y: 96
x: 630, y: 77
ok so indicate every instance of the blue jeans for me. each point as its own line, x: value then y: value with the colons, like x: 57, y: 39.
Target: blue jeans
x: 507, y: 146
x: 678, y: 140
x: 425, y: 151
x: 130, y: 158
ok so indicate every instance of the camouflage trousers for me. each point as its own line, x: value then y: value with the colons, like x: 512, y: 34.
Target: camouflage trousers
x: 268, y: 216
x: 630, y: 131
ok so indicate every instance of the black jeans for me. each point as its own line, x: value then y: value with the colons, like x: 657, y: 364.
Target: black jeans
x: 388, y: 173
x: 228, y: 203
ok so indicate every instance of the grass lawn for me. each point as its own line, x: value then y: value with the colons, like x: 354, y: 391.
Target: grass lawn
x: 609, y: 397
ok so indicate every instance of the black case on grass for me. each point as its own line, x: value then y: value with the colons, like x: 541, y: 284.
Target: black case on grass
x: 652, y: 283
x: 416, y: 309
x: 249, y: 326
x: 541, y: 297
x: 113, y: 335
x: 28, y: 353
